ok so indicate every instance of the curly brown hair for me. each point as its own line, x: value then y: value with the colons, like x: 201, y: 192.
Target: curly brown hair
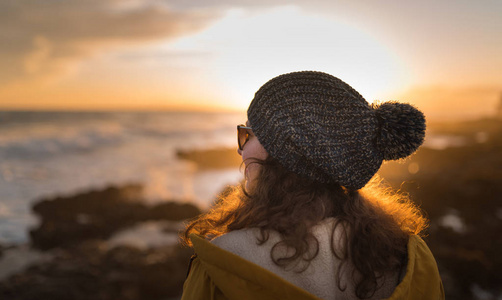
x: 376, y: 221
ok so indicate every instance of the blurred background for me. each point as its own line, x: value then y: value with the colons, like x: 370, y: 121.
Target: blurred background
x: 117, y: 123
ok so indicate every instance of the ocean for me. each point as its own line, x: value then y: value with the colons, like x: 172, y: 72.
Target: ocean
x: 49, y: 154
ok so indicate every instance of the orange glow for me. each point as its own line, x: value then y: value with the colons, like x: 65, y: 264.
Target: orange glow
x: 215, y: 59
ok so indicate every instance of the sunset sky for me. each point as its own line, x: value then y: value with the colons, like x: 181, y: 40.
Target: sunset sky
x: 444, y: 56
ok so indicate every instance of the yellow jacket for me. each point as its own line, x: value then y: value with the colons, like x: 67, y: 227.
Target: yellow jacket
x: 218, y: 274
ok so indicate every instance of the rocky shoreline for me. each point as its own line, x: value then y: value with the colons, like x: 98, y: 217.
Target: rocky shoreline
x: 460, y: 190
x: 87, y: 246
x: 219, y: 158
x: 75, y: 257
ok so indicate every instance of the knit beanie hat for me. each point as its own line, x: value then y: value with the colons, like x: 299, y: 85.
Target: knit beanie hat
x: 319, y: 127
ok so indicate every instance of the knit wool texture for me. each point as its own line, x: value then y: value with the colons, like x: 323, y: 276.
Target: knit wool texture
x: 319, y: 127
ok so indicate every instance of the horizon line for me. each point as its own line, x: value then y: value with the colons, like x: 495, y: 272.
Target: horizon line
x: 123, y: 109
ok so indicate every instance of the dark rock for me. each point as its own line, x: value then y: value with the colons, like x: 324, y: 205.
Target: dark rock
x: 213, y: 158
x: 172, y: 211
x: 91, y: 271
x: 98, y: 214
x: 4, y: 248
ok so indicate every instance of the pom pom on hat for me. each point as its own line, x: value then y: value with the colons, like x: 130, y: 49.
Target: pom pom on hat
x: 402, y: 129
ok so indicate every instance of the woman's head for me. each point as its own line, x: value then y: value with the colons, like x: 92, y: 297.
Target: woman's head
x: 320, y: 128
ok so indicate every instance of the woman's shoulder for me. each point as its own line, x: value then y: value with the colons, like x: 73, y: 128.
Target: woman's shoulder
x: 245, y: 243
x: 230, y: 238
x: 242, y: 241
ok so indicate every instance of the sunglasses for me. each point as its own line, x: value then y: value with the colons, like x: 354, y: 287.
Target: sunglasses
x: 242, y: 135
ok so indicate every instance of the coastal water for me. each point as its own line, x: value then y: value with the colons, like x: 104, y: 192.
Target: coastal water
x: 48, y: 154
x: 455, y: 178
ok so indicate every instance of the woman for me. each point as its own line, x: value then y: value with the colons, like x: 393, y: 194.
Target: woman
x: 302, y: 226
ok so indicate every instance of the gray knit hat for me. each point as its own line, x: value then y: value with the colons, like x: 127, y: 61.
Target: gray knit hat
x: 319, y: 127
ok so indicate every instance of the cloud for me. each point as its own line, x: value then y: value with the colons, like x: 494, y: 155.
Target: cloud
x: 34, y: 60
x: 44, y: 38
x: 224, y: 4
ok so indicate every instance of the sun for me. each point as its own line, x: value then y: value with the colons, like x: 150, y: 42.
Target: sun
x: 247, y: 49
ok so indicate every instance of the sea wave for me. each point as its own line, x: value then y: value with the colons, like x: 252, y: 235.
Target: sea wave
x: 29, y: 135
x: 52, y: 140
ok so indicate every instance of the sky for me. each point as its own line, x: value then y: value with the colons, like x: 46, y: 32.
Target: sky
x: 442, y: 56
